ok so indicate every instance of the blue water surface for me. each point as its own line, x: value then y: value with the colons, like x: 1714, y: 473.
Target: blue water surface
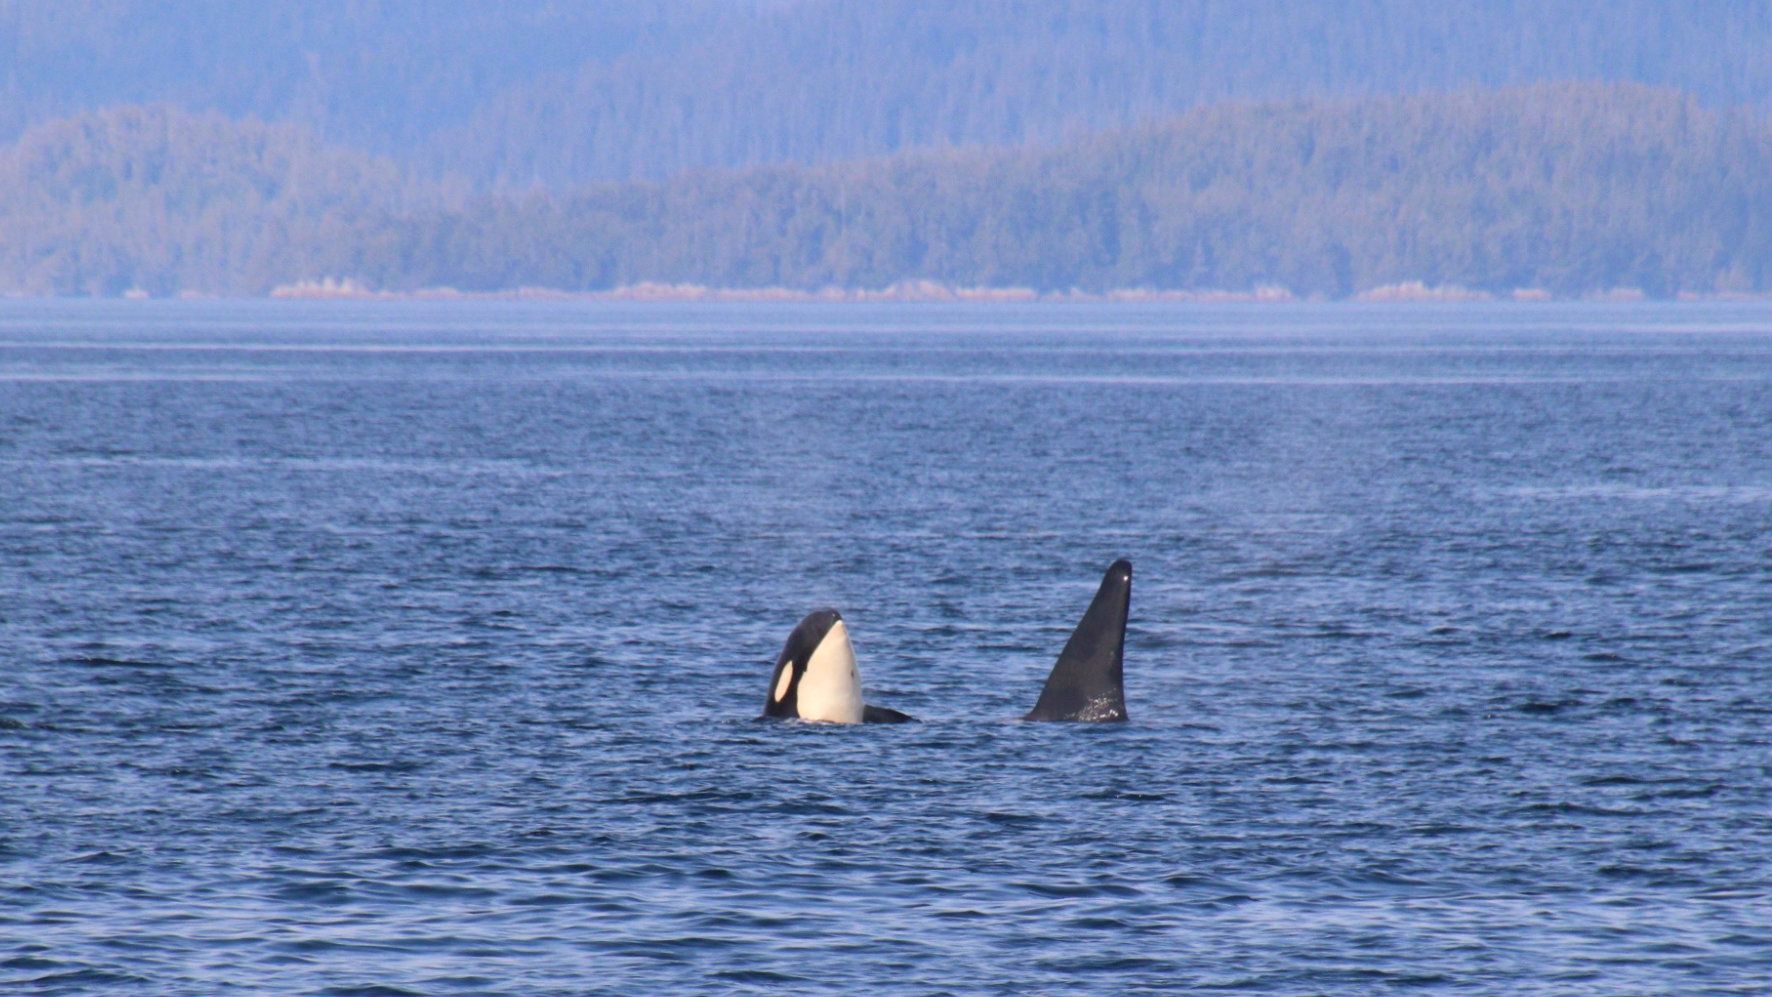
x: 400, y: 648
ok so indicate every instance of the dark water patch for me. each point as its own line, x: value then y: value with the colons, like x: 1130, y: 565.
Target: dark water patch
x: 103, y: 661
x: 1079, y: 890
x: 1012, y: 820
x: 325, y: 893
x: 701, y: 795
x: 1690, y: 568
x: 436, y: 891
x: 1619, y: 779
x: 761, y: 977
x: 84, y: 981
x: 1682, y: 791
x: 1576, y: 810
x: 1130, y: 795
x: 388, y: 766
x: 1537, y: 708
x: 434, y: 853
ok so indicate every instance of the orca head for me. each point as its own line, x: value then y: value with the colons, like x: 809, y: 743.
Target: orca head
x: 815, y: 677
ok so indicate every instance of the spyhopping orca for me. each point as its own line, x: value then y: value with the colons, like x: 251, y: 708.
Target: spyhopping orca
x: 816, y: 678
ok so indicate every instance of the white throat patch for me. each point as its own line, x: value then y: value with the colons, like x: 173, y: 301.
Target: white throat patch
x: 830, y: 690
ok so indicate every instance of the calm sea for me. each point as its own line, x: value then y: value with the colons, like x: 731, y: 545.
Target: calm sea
x: 415, y: 649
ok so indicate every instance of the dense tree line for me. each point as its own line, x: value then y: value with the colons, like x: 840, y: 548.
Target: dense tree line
x: 1571, y: 188
x: 165, y: 201
x: 516, y: 93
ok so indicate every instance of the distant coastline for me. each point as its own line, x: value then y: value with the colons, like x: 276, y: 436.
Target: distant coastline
x: 908, y: 292
x: 333, y: 289
x: 1565, y: 191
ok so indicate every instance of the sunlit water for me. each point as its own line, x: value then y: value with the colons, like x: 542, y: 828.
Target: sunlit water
x: 406, y: 648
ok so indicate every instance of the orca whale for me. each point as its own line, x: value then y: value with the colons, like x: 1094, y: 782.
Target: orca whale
x: 816, y: 678
x: 1089, y: 680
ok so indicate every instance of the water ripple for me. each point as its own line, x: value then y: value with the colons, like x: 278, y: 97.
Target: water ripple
x: 418, y: 651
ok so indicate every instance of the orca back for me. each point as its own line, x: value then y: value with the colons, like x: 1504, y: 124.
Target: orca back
x: 871, y: 714
x: 1088, y: 682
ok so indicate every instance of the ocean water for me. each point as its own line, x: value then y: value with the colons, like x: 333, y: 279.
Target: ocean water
x: 417, y: 649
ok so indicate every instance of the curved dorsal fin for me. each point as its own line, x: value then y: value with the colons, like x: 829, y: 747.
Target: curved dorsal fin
x: 1088, y: 682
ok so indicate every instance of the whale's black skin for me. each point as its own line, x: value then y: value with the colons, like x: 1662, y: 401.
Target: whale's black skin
x: 796, y: 654
x: 1088, y: 682
x: 871, y: 714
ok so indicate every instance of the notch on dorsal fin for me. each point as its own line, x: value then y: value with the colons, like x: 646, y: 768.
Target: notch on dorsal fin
x: 1088, y: 682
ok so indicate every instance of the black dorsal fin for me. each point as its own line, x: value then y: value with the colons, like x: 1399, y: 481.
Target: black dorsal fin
x: 1088, y: 682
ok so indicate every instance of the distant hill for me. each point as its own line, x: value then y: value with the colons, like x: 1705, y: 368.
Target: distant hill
x: 812, y: 82
x: 1570, y: 188
x: 520, y: 93
x: 164, y: 200
x: 380, y: 75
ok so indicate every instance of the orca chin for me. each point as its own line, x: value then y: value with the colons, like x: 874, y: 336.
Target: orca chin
x: 1089, y: 683
x: 816, y: 677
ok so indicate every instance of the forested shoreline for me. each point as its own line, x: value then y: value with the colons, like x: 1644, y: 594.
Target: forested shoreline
x: 1565, y: 189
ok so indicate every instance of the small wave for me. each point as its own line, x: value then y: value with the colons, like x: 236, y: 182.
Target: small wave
x: 1684, y: 568
x: 320, y: 893
x: 1132, y: 795
x: 100, y: 978
x: 1006, y: 819
x: 1615, y: 779
x: 761, y: 977
x: 1546, y: 708
x: 396, y: 766
x: 100, y: 857
x: 102, y: 661
x: 434, y: 890
x: 1074, y: 890
x: 1576, y: 810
